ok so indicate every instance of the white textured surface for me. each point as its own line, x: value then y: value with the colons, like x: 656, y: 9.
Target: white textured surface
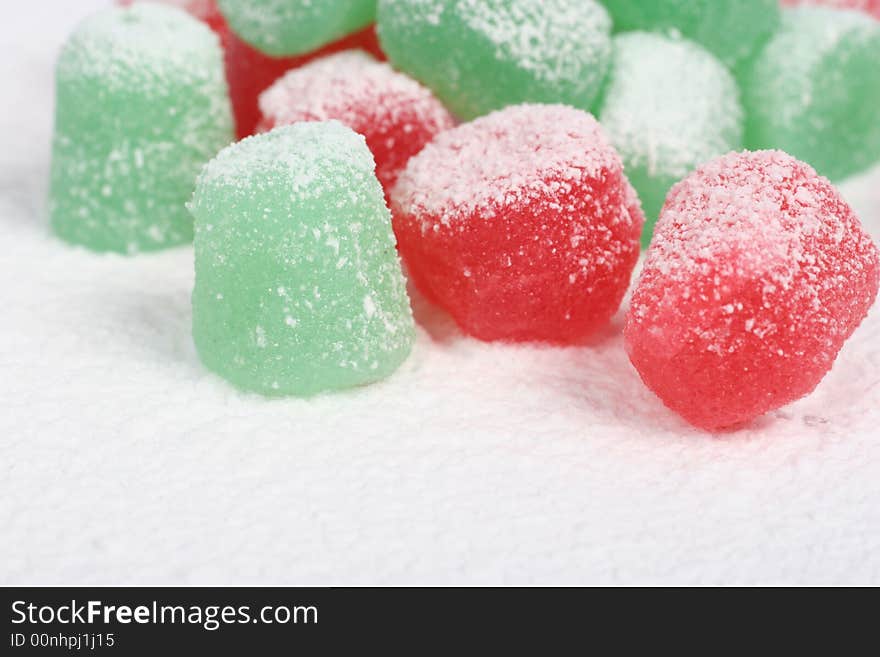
x: 123, y: 461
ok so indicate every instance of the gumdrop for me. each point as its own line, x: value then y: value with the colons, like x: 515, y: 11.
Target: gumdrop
x: 205, y: 10
x: 141, y: 105
x: 486, y: 55
x: 396, y: 114
x: 730, y: 29
x: 251, y: 72
x: 758, y: 273
x: 520, y: 224
x: 814, y: 90
x: 871, y: 7
x: 298, y: 284
x: 669, y: 106
x: 283, y: 28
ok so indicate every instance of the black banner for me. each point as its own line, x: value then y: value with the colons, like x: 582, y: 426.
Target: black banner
x: 149, y: 621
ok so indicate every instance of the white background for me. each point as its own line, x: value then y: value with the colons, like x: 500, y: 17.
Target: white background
x: 124, y: 461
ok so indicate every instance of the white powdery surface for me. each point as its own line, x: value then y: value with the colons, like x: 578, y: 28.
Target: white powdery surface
x: 124, y: 461
x: 346, y: 86
x: 518, y: 155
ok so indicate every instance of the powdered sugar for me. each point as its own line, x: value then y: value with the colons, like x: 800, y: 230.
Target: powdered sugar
x: 869, y: 6
x: 670, y: 105
x: 245, y: 163
x: 483, y: 55
x: 537, y: 34
x: 508, y: 157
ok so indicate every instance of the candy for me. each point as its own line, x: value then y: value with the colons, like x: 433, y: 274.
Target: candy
x: 395, y: 113
x: 815, y: 88
x: 758, y: 273
x: 141, y: 106
x: 282, y: 28
x: 482, y: 55
x: 205, y: 10
x: 669, y: 106
x: 871, y: 7
x: 298, y: 284
x: 250, y: 72
x: 730, y: 29
x: 521, y: 224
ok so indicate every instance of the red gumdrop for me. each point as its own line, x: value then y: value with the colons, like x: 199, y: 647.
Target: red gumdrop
x: 521, y: 224
x: 871, y: 7
x: 757, y: 273
x: 249, y: 72
x: 395, y: 114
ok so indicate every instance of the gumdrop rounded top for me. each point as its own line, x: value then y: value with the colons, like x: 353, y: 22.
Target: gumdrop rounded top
x: 145, y: 44
x: 507, y: 158
x: 480, y: 56
x: 282, y: 28
x: 312, y: 157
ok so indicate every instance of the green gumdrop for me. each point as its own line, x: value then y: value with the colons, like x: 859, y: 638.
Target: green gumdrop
x: 483, y: 56
x: 282, y: 28
x: 141, y: 105
x: 668, y: 107
x: 730, y: 29
x: 814, y: 90
x: 298, y: 286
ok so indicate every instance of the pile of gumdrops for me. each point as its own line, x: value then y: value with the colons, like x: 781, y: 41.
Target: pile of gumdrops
x: 515, y: 155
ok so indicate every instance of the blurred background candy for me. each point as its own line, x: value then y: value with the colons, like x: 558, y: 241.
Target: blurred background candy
x: 730, y: 29
x: 814, y: 90
x: 141, y: 105
x: 669, y: 106
x: 482, y: 56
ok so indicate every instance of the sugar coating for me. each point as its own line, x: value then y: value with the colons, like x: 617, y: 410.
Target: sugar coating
x: 141, y: 105
x: 668, y: 107
x: 298, y: 283
x: 521, y: 224
x: 814, y: 90
x: 871, y: 7
x: 482, y: 55
x: 730, y: 29
x: 396, y: 114
x: 758, y: 273
x: 204, y: 10
x: 251, y: 72
x: 282, y: 28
